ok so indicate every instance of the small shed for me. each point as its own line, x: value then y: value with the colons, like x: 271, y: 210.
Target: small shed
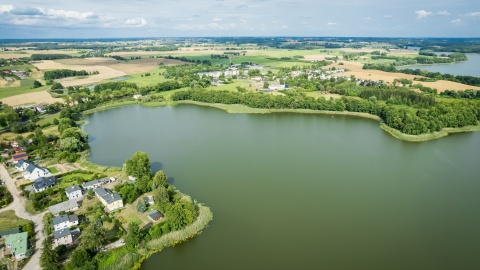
x: 154, y: 215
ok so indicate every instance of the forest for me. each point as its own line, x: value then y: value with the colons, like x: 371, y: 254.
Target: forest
x: 63, y: 73
x: 432, y: 118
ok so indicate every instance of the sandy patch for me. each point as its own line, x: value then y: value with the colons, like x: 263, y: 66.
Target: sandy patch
x: 29, y: 98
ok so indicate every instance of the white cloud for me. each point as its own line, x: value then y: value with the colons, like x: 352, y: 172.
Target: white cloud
x: 136, y: 22
x: 332, y: 23
x: 6, y: 8
x: 456, y: 22
x: 217, y: 19
x: 473, y: 14
x: 422, y: 14
x: 443, y: 13
x: 67, y: 14
x: 284, y: 26
x: 388, y: 17
x: 367, y: 19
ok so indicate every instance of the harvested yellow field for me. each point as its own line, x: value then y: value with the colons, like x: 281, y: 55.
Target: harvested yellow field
x: 357, y: 71
x: 4, y: 83
x: 105, y: 72
x: 13, y: 55
x: 316, y: 57
x: 31, y: 98
x: 361, y: 50
x: 144, y: 65
x: 51, y: 51
x: 402, y: 51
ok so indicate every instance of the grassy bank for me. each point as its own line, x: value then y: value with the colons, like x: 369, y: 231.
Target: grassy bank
x: 9, y: 220
x: 238, y: 108
x: 123, y: 259
x: 428, y: 136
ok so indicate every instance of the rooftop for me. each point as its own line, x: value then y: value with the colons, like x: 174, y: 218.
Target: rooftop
x: 44, y: 182
x: 61, y: 233
x: 18, y: 243
x: 73, y: 188
x: 107, y: 195
x: 64, y: 218
x: 63, y: 206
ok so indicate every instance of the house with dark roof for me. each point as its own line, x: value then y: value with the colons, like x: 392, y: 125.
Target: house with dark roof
x: 6, y: 233
x: 34, y: 171
x: 67, y: 206
x: 43, y: 183
x: 62, y: 237
x: 154, y: 215
x: 74, y: 192
x: 19, y: 156
x: 95, y: 183
x: 17, y: 245
x: 112, y: 201
x: 64, y: 222
x: 149, y: 200
x: 21, y: 165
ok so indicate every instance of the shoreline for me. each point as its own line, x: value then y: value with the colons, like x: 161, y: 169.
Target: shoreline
x: 234, y: 108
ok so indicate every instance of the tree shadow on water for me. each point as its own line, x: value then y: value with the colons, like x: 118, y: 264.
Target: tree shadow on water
x: 156, y: 166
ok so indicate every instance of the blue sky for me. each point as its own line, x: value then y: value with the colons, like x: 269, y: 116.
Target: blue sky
x: 171, y: 18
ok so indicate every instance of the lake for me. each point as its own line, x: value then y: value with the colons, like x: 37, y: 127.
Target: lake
x: 470, y: 67
x: 302, y: 191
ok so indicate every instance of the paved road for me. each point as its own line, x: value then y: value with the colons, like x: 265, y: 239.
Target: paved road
x: 18, y: 206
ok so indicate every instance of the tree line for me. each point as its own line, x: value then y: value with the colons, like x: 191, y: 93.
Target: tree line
x: 407, y: 120
x: 63, y: 73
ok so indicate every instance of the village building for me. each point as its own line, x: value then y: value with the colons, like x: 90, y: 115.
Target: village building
x: 64, y: 222
x: 149, y: 200
x: 154, y: 215
x: 67, y: 206
x: 34, y: 171
x: 6, y: 233
x: 21, y: 165
x: 63, y: 237
x: 43, y: 183
x: 17, y: 245
x: 97, y: 183
x: 19, y: 156
x: 74, y: 192
x: 112, y: 201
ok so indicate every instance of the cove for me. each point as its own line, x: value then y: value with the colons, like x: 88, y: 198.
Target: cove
x: 300, y: 191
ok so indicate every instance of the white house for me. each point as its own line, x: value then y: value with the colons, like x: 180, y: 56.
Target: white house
x: 111, y: 201
x: 74, y: 192
x: 62, y: 237
x: 21, y: 165
x: 64, y: 222
x: 33, y: 172
x: 43, y: 183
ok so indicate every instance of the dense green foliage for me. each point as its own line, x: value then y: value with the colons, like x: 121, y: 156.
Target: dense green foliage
x: 138, y: 165
x: 48, y: 258
x: 63, y: 73
x: 5, y: 196
x: 38, y: 57
x: 432, y: 118
x: 469, y: 94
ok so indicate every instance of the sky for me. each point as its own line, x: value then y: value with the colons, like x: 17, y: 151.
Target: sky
x: 194, y: 18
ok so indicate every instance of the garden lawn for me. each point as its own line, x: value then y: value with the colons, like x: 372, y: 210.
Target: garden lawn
x: 9, y: 220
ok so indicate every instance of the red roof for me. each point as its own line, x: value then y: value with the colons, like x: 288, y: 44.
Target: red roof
x: 19, y: 156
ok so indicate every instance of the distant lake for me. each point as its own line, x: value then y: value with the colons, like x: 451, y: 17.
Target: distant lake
x: 302, y: 191
x: 470, y: 67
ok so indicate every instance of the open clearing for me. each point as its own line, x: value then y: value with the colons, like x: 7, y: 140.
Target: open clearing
x: 29, y: 98
x: 316, y: 57
x: 358, y: 72
x: 107, y: 67
x: 9, y: 220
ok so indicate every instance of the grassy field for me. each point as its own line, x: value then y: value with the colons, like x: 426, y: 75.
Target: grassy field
x: 48, y: 119
x: 142, y: 81
x: 69, y: 180
x: 52, y: 170
x: 23, y: 89
x: 9, y: 220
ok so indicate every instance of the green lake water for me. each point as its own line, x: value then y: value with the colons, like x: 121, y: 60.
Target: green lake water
x: 299, y: 191
x: 470, y: 67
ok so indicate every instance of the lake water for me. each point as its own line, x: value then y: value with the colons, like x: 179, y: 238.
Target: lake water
x: 298, y: 191
x: 470, y: 67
